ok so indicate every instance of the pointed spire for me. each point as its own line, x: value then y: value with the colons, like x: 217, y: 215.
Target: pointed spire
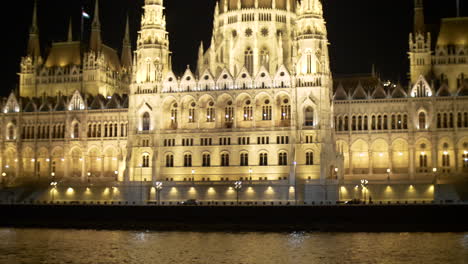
x: 33, y: 45
x: 95, y: 41
x: 200, y: 61
x: 126, y: 59
x: 419, y: 26
x: 70, y: 31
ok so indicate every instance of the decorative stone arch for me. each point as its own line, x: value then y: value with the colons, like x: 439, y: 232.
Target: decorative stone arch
x: 421, y: 88
x: 263, y: 79
x: 360, y: 156
x: 244, y: 79
x: 400, y: 155
x: 11, y: 131
x: 188, y: 82
x: 76, y: 102
x: 225, y: 80
x: 142, y: 118
x: 170, y: 83
x: 282, y: 78
x: 422, y: 118
x: 380, y: 155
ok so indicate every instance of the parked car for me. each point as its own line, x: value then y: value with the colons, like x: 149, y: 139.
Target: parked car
x: 354, y: 201
x: 190, y: 202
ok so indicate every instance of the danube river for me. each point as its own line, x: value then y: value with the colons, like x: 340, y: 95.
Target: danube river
x: 91, y: 246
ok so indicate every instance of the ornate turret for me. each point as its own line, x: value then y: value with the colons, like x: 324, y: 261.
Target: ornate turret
x: 420, y: 45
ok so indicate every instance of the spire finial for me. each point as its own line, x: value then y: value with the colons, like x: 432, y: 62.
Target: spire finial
x: 127, y: 32
x: 96, y: 21
x: 70, y: 31
x: 34, y: 28
x: 458, y: 8
x: 126, y: 59
x: 33, y: 45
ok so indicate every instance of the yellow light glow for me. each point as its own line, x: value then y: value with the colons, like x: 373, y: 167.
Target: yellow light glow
x: 106, y: 191
x: 211, y: 190
x: 291, y: 189
x: 431, y: 189
x: 153, y: 190
x: 343, y: 190
x: 423, y: 153
x: 88, y: 191
x: 70, y: 191
x: 445, y: 153
x: 173, y: 190
x: 388, y: 189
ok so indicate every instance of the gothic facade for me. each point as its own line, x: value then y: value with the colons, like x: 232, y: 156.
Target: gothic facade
x: 262, y: 106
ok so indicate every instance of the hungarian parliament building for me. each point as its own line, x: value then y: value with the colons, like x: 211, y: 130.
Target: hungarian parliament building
x: 262, y: 108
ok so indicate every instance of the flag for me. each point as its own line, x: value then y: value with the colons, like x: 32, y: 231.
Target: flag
x: 85, y: 15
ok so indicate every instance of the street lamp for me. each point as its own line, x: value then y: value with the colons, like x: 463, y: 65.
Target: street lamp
x: 193, y: 172
x: 89, y: 175
x: 116, y: 173
x: 4, y: 178
x: 54, y: 187
x: 364, y: 184
x: 158, y: 186
x: 250, y: 173
x: 237, y: 187
x: 388, y: 174
x: 336, y: 173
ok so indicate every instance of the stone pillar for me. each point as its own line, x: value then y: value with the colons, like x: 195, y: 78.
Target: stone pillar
x: 351, y: 167
x: 84, y: 170
x: 102, y: 166
x: 66, y: 165
x: 457, y: 160
x: 435, y: 154
x: 390, y: 158
x: 371, y: 163
x: 412, y: 158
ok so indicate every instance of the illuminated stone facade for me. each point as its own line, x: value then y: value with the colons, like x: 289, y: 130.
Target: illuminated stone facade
x: 261, y: 108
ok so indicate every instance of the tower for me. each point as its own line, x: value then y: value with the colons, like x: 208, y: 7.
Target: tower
x: 95, y: 39
x: 419, y: 45
x: 151, y: 63
x: 32, y: 60
x: 314, y: 84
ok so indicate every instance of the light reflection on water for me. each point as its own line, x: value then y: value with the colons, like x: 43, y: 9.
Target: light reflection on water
x: 90, y: 246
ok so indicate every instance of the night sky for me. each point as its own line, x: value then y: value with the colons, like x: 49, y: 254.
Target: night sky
x: 361, y: 32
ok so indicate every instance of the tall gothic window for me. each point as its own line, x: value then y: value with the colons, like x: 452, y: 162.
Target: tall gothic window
x: 249, y: 60
x: 309, y: 116
x: 283, y: 159
x: 229, y: 114
x: 285, y: 110
x: 263, y: 159
x: 309, y: 158
x: 146, y: 120
x: 210, y: 113
x: 422, y: 120
x: 11, y: 133
x: 265, y: 58
x: 206, y: 161
x: 309, y: 63
x: 248, y: 111
x: 224, y: 160
x: 174, y: 114
x: 244, y: 159
x: 145, y: 161
x: 423, y: 160
x: 76, y: 131
x: 446, y: 160
x: 170, y: 161
x: 187, y: 160
x: 191, y: 114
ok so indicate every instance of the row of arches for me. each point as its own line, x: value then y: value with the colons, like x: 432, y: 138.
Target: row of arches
x: 225, y: 160
x: 371, y: 122
x: 28, y: 132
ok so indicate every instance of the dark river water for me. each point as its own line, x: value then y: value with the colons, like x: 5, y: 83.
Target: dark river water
x: 91, y: 246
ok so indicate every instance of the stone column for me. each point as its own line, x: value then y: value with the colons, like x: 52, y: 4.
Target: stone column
x: 390, y: 159
x: 371, y: 162
x: 84, y: 169
x: 412, y: 158
x: 457, y: 160
x: 351, y: 167
x: 102, y: 166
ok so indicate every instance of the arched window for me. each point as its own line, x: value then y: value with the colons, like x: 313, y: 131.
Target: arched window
x: 187, y: 160
x: 266, y: 110
x: 170, y: 161
x: 283, y: 159
x: 423, y: 160
x: 309, y: 116
x: 340, y: 124
x: 146, y: 120
x: 191, y: 113
x: 249, y: 60
x: 76, y: 130
x: 346, y: 123
x: 206, y: 160
x: 11, y: 133
x: 309, y: 158
x: 353, y: 123
x: 210, y: 113
x: 445, y: 159
x: 459, y: 120
x: 224, y: 160
x: 174, y: 114
x: 145, y: 160
x: 265, y: 58
x: 248, y: 110
x: 263, y: 159
x: 286, y: 110
x: 439, y: 120
x: 229, y: 113
x: 422, y: 120
x: 244, y: 159
x: 373, y: 123
x: 366, y: 123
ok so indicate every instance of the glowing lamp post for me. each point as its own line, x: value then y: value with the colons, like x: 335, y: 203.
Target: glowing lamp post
x: 250, y: 174
x: 237, y: 187
x: 116, y: 173
x: 158, y: 186
x: 364, y: 184
x: 388, y: 174
x: 4, y: 178
x: 193, y: 172
x: 54, y: 187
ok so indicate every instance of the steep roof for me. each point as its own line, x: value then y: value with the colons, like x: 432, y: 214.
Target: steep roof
x: 453, y: 31
x: 63, y: 54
